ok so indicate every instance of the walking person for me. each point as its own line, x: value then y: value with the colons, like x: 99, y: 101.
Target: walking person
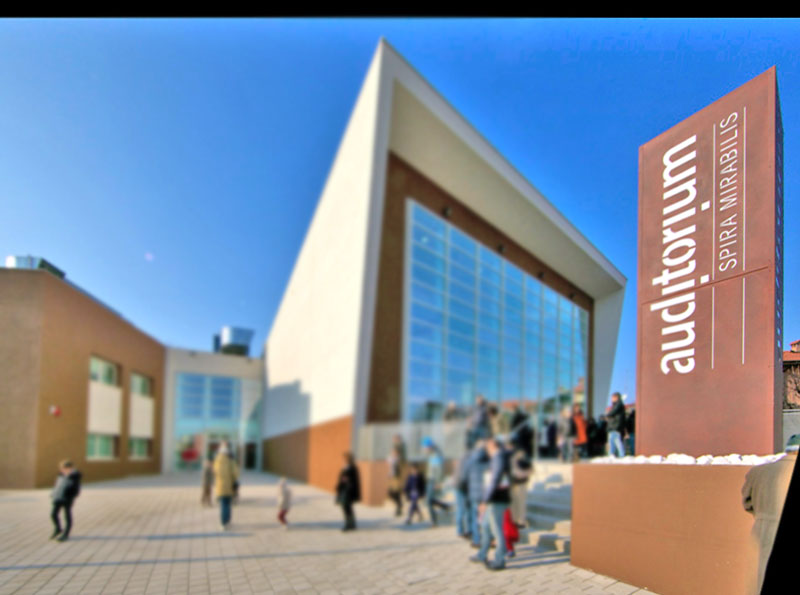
x: 415, y: 491
x: 395, y: 480
x: 208, y: 482
x: 463, y: 525
x: 522, y: 434
x: 66, y: 489
x: 226, y: 472
x: 284, y: 502
x: 510, y: 533
x: 581, y: 440
x: 348, y: 491
x: 495, y: 501
x: 616, y: 426
x: 433, y: 479
x: 521, y: 468
x: 477, y: 464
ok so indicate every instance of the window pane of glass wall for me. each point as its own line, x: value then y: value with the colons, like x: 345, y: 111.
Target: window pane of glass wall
x: 479, y: 324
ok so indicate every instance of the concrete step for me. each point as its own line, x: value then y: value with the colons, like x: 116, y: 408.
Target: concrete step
x: 540, y: 520
x: 556, y: 495
x: 551, y: 472
x: 562, y: 510
x: 554, y: 541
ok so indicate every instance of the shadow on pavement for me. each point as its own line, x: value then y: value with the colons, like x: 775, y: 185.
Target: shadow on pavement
x: 536, y: 559
x: 195, y: 560
x: 157, y: 537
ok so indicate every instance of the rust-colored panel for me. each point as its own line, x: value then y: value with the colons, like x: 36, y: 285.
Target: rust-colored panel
x: 710, y: 278
x: 313, y: 454
x: 668, y: 528
x: 374, y: 482
x: 402, y: 182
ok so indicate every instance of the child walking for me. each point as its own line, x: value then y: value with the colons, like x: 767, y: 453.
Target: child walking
x: 284, y: 501
x: 415, y: 489
x: 510, y: 533
x: 66, y: 489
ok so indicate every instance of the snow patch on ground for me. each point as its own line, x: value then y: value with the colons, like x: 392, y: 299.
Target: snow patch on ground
x: 682, y: 459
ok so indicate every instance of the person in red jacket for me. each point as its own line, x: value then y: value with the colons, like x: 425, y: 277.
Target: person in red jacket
x: 510, y: 533
x: 581, y: 436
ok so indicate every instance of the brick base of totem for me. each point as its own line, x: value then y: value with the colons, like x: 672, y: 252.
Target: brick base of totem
x: 665, y: 528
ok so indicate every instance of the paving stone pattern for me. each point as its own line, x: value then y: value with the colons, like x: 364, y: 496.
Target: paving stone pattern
x: 151, y: 535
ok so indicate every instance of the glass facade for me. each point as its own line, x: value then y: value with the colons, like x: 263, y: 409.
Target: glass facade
x: 477, y: 324
x: 207, y: 411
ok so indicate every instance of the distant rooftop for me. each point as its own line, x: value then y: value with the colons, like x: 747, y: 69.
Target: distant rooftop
x: 33, y: 262
x: 233, y: 340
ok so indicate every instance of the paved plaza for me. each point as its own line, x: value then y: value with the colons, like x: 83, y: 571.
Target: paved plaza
x: 150, y: 535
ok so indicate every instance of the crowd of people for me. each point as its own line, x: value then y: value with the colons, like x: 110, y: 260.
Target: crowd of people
x: 573, y: 436
x: 490, y: 480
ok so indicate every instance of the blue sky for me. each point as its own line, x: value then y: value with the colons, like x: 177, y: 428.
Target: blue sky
x: 171, y: 167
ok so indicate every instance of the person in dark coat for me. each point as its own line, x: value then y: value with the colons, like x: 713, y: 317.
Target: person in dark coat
x: 522, y: 435
x: 616, y: 426
x: 602, y: 436
x: 415, y: 491
x: 591, y: 434
x: 630, y: 430
x: 66, y: 489
x: 348, y: 491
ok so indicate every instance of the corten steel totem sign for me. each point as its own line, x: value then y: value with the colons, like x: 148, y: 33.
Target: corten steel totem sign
x: 711, y: 279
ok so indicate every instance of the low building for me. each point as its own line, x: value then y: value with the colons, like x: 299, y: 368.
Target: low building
x: 77, y: 381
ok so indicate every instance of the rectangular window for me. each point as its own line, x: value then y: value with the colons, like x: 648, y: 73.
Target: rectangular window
x: 101, y: 447
x: 141, y: 385
x: 104, y: 371
x: 139, y: 448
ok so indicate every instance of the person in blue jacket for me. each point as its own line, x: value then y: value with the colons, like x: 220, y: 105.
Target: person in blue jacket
x: 434, y: 477
x: 495, y: 501
x: 475, y: 468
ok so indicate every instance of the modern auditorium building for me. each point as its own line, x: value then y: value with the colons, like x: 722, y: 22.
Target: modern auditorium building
x: 432, y: 271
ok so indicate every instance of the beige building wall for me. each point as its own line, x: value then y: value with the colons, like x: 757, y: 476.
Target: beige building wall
x: 313, y: 349
x: 249, y: 369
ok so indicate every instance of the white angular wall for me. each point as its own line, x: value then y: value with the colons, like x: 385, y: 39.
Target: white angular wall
x: 312, y: 351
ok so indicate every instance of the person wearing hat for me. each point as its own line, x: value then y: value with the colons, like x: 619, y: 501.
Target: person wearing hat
x: 434, y: 477
x: 763, y: 496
